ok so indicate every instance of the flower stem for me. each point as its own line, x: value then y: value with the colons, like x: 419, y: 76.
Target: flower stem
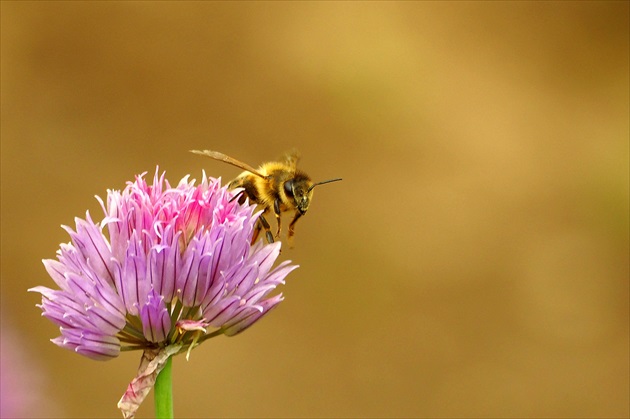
x: 163, y: 392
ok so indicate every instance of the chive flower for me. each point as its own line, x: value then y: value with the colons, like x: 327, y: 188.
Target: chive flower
x: 164, y: 270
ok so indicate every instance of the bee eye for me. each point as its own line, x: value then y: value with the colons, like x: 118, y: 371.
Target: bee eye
x: 288, y: 188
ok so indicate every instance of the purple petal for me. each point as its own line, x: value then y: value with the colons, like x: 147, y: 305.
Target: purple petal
x: 92, y: 345
x: 269, y: 282
x: 92, y: 244
x: 56, y: 271
x: 156, y: 322
x: 186, y: 282
x: 266, y: 256
x: 241, y: 324
x: 165, y: 264
x: 192, y: 325
x: 222, y: 311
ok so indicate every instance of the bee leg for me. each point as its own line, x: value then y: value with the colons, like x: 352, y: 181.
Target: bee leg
x: 291, y: 232
x: 240, y: 196
x: 256, y: 232
x: 276, y: 211
x: 263, y: 222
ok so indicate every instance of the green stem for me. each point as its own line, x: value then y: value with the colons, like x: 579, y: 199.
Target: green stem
x: 163, y: 392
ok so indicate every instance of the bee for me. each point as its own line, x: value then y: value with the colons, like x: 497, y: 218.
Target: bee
x: 276, y: 186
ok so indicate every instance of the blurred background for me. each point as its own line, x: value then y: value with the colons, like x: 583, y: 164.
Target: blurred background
x: 472, y: 263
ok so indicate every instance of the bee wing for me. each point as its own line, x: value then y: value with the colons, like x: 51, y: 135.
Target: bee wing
x: 291, y: 158
x: 227, y: 159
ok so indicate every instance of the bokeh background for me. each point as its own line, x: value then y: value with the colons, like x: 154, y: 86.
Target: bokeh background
x: 472, y: 263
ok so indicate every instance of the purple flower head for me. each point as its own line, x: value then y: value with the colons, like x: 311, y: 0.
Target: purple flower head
x: 165, y: 267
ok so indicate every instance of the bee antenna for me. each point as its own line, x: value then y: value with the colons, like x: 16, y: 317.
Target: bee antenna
x: 321, y: 183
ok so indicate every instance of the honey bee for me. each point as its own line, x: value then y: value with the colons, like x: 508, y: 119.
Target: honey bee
x: 276, y: 186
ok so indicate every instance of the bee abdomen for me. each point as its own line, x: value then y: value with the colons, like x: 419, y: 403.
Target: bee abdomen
x: 249, y: 189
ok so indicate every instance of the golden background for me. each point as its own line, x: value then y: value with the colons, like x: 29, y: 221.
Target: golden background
x: 474, y: 260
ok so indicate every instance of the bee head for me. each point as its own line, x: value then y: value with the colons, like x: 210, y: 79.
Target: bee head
x: 300, y: 189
